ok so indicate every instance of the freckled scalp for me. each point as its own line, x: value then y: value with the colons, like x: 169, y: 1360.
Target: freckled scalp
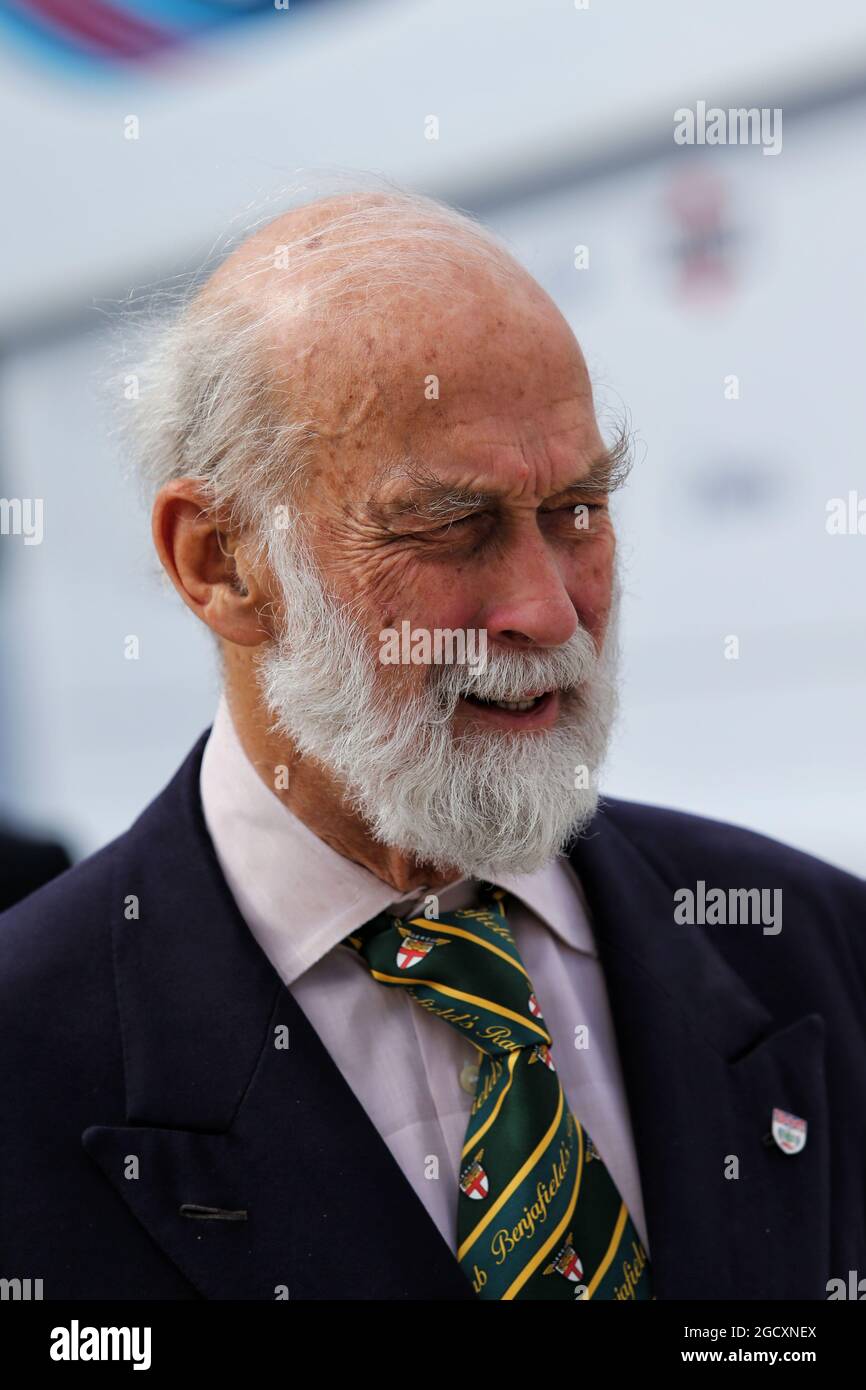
x: 309, y: 346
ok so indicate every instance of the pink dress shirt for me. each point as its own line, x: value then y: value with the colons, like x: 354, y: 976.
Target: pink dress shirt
x: 411, y: 1072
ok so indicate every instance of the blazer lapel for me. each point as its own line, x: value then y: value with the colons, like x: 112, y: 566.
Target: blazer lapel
x: 704, y: 1065
x: 244, y: 1152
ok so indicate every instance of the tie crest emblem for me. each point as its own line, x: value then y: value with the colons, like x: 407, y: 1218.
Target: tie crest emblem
x: 566, y: 1262
x: 415, y: 946
x: 473, y: 1179
x: 541, y: 1053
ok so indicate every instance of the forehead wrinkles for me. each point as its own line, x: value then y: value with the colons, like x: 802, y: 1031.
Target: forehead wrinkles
x: 534, y: 444
x: 360, y: 372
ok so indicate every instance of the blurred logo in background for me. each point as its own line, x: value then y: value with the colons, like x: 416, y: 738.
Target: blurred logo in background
x: 704, y: 240
x: 112, y: 32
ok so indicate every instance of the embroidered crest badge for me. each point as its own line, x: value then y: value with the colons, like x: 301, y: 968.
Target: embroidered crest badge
x: 789, y: 1131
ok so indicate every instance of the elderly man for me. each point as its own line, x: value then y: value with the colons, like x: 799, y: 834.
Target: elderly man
x: 378, y: 999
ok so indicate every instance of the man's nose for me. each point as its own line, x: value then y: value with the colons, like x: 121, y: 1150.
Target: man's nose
x: 529, y: 604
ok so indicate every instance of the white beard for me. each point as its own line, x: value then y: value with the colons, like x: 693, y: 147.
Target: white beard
x: 484, y: 802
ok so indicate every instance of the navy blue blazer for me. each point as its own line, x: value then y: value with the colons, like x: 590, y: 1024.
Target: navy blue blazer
x: 144, y: 1044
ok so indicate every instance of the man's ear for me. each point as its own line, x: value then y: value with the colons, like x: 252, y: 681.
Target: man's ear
x: 230, y: 554
x: 206, y: 565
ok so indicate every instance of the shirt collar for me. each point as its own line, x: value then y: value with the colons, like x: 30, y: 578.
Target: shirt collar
x: 300, y: 897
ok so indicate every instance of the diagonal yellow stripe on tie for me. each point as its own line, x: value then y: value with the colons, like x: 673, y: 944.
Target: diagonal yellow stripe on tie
x: 470, y: 936
x: 470, y: 1144
x: 537, y: 1154
x: 498, y: 1009
x: 610, y: 1252
x: 530, y: 1267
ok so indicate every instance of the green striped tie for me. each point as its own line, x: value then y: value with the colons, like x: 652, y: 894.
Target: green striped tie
x: 538, y: 1214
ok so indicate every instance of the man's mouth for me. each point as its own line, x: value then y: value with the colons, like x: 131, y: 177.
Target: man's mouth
x: 522, y: 703
x: 536, y: 706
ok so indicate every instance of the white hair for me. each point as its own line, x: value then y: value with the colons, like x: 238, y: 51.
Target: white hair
x: 202, y: 403
x: 483, y: 802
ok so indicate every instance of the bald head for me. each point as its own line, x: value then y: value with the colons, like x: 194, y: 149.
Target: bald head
x: 349, y: 300
x: 350, y: 320
x: 348, y: 249
x: 231, y: 383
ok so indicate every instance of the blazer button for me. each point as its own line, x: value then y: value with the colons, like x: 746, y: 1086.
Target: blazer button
x: 469, y: 1077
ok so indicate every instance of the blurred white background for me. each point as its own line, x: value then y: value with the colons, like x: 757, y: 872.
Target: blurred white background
x: 556, y: 125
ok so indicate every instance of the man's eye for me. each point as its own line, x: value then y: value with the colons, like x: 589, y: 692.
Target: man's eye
x: 449, y: 525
